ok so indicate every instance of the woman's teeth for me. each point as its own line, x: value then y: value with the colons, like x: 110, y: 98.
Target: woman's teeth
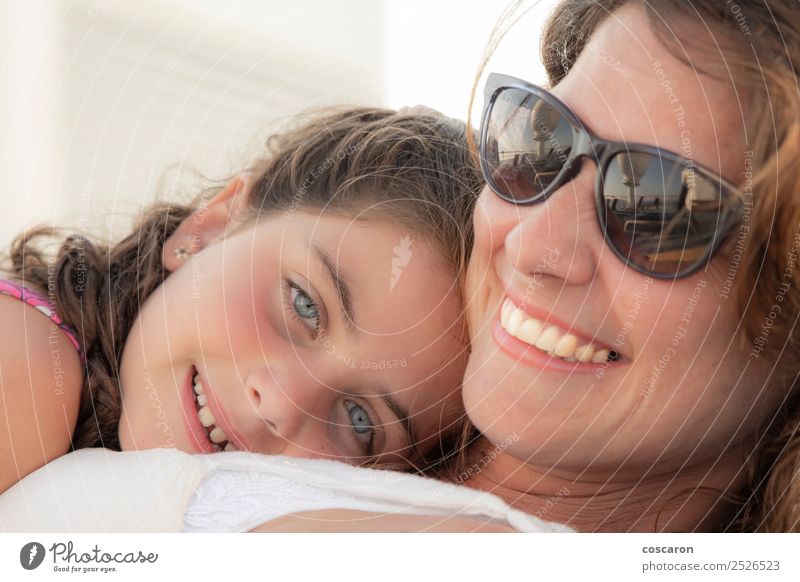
x: 551, y: 339
x: 215, y: 434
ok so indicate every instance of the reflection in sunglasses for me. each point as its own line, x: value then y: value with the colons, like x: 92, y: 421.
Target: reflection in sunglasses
x: 633, y: 167
x: 661, y: 213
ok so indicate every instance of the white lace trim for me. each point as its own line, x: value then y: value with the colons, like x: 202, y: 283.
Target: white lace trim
x: 231, y: 501
x: 242, y: 491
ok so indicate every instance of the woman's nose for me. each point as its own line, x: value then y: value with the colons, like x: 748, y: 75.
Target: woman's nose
x: 560, y: 236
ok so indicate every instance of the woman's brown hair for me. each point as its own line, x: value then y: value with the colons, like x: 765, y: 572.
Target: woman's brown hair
x: 759, y: 44
x: 412, y: 168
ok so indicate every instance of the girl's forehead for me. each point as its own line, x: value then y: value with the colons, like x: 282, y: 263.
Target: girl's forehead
x: 393, y: 284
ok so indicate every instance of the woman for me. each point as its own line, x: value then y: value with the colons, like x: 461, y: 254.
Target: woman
x: 690, y: 286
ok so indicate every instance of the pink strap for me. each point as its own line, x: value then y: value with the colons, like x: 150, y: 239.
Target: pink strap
x: 41, y: 304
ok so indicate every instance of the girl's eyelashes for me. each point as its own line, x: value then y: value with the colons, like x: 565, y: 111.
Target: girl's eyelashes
x: 302, y: 307
x: 362, y: 425
x: 357, y: 419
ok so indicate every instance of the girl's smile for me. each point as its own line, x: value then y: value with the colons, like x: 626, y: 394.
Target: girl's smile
x: 206, y: 419
x: 262, y: 358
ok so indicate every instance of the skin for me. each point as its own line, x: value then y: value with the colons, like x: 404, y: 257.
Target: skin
x: 350, y: 521
x: 40, y: 381
x: 612, y: 452
x: 285, y: 386
x: 624, y: 444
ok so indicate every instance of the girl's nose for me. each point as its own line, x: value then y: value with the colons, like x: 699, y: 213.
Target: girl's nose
x: 294, y: 409
x: 288, y: 400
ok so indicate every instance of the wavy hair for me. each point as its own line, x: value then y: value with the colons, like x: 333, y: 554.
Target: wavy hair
x: 413, y: 168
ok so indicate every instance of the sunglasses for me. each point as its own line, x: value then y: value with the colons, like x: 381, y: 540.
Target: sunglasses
x: 661, y: 214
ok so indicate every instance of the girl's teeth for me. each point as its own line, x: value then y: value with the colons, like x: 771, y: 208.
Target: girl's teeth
x: 218, y: 435
x: 206, y: 417
x: 551, y: 339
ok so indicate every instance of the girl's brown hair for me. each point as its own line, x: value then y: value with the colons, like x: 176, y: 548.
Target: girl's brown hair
x: 411, y: 168
x: 759, y: 44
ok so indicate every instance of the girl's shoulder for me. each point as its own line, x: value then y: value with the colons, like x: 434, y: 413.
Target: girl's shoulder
x: 40, y: 381
x: 42, y: 302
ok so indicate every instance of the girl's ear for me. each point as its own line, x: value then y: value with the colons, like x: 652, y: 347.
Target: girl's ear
x: 223, y: 213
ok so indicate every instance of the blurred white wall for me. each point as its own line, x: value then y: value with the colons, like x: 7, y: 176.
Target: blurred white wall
x: 432, y: 49
x: 99, y: 97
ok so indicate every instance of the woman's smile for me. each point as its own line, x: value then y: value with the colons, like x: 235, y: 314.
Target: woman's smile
x: 544, y: 341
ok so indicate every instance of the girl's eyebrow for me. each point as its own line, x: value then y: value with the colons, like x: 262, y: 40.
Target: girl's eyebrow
x: 401, y: 412
x: 339, y: 282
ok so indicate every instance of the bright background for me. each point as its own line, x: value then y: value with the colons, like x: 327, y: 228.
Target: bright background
x: 99, y: 97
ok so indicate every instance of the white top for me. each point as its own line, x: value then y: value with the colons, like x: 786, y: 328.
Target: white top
x: 165, y: 490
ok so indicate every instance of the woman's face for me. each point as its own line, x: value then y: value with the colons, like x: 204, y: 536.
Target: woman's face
x: 307, y: 335
x: 682, y: 387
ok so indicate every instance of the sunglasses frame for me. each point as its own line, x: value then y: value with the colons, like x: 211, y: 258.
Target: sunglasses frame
x: 602, y: 152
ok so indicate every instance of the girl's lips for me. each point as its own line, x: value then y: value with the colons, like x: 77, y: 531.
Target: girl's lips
x: 219, y: 414
x: 195, y: 430
x: 528, y: 355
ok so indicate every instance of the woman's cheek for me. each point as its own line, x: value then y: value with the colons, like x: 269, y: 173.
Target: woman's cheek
x: 494, y: 219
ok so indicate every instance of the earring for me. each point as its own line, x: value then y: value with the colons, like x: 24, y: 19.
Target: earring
x: 181, y: 254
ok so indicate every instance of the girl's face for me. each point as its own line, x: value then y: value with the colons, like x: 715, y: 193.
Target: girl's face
x: 682, y: 387
x: 305, y: 335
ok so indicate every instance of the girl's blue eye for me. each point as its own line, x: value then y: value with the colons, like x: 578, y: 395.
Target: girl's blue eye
x: 305, y: 307
x: 362, y: 424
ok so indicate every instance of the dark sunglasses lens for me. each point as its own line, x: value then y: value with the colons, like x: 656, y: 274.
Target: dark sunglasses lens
x: 526, y: 145
x: 660, y: 214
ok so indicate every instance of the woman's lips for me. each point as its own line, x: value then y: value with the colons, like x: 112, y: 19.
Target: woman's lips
x: 527, y: 354
x: 551, y: 338
x: 549, y: 318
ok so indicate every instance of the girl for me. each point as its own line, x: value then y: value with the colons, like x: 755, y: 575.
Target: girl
x: 310, y: 307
